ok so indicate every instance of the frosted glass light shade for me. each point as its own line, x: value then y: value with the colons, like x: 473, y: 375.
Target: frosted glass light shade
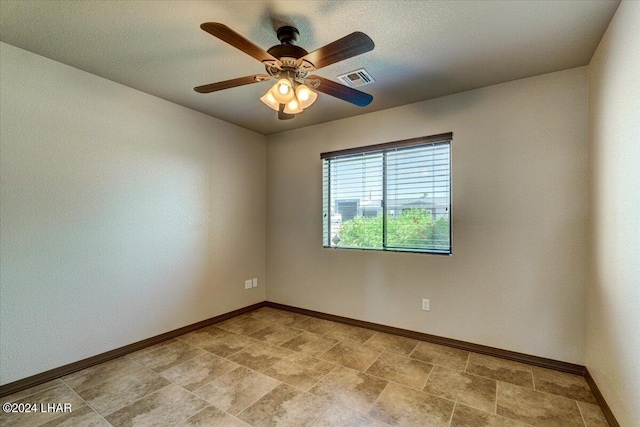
x: 305, y: 96
x: 283, y: 91
x: 293, y: 107
x: 270, y: 100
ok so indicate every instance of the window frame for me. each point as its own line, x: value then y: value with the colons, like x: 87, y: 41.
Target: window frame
x: 443, y: 138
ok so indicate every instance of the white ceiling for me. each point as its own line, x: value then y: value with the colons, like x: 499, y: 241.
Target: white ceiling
x: 424, y: 49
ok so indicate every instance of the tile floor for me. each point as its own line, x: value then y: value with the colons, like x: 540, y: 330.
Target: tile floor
x: 272, y: 367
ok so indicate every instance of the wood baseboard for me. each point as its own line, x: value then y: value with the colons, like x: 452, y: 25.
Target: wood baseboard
x: 61, y: 371
x: 600, y: 399
x: 463, y: 345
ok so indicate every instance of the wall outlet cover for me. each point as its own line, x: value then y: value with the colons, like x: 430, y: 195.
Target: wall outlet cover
x: 255, y: 282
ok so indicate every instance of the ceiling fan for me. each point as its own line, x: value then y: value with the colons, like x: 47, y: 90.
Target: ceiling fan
x: 291, y: 65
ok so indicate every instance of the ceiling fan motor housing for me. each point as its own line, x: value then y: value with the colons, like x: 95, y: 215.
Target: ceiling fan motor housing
x: 287, y: 53
x: 287, y: 50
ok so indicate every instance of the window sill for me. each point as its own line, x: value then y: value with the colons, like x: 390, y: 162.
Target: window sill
x: 413, y: 251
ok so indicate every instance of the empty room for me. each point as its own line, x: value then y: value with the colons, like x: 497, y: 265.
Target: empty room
x: 320, y: 213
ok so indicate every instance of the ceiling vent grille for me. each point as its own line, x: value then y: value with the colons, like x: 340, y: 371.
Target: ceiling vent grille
x: 356, y: 78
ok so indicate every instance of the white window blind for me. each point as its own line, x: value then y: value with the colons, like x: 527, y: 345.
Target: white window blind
x: 394, y: 196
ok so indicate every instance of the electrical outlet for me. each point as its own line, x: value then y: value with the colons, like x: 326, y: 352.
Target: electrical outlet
x: 425, y: 304
x: 247, y: 284
x: 255, y: 282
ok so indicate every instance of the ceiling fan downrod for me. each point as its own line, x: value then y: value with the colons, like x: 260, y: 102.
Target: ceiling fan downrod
x: 288, y: 34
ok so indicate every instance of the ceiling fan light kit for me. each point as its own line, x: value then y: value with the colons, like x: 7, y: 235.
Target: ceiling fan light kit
x: 283, y: 91
x: 293, y: 107
x: 295, y: 100
x: 291, y: 65
x: 270, y: 100
x: 305, y: 96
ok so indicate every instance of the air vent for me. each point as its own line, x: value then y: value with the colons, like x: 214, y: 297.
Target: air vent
x: 356, y: 78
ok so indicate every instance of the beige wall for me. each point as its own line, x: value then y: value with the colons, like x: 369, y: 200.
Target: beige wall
x: 613, y: 296
x: 123, y: 216
x: 516, y: 280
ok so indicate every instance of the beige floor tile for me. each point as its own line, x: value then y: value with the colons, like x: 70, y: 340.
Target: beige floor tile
x: 300, y: 370
x: 101, y: 373
x: 354, y: 356
x: 149, y: 349
x: 350, y: 333
x: 198, y: 371
x: 264, y: 313
x: 500, y: 369
x: 537, y: 408
x: 392, y: 344
x: 562, y: 384
x: 168, y: 406
x: 169, y: 356
x: 441, y: 355
x: 310, y: 343
x: 399, y: 405
x: 202, y: 336
x: 245, y: 325
x: 285, y: 406
x: 57, y: 394
x: 287, y: 318
x: 236, y: 390
x: 350, y: 388
x: 227, y: 344
x: 213, y: 417
x: 592, y: 415
x: 233, y: 319
x: 472, y: 390
x: 393, y: 367
x: 317, y: 326
x: 113, y: 395
x: 339, y: 416
x: 465, y: 416
x: 276, y: 334
x: 260, y: 357
x: 32, y: 390
x: 82, y: 417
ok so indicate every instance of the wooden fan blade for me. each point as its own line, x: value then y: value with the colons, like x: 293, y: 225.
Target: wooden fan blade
x: 227, y: 84
x: 226, y: 34
x: 284, y: 116
x: 345, y: 93
x: 347, y: 47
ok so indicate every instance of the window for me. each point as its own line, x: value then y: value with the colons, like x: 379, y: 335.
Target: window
x: 389, y: 197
